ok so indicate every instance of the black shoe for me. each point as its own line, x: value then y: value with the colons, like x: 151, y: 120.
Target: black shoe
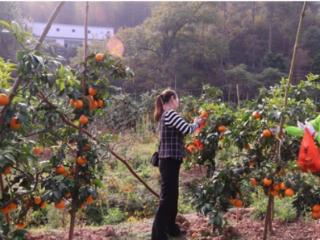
x: 175, y: 231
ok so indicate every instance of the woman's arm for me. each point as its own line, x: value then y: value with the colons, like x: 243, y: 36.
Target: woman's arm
x: 173, y: 119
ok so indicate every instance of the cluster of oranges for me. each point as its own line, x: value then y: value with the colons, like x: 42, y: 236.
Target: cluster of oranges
x: 38, y: 201
x: 61, y: 204
x: 266, y: 133
x: 196, y: 144
x: 275, y: 189
x: 9, y: 207
x: 93, y: 103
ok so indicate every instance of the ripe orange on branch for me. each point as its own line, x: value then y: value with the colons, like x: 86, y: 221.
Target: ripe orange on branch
x: 266, y: 133
x: 267, y: 182
x: 316, y: 208
x: 99, y: 57
x: 81, y: 161
x: 315, y: 215
x: 191, y: 148
x: 14, y: 123
x: 83, y: 119
x: 7, y: 171
x: 204, y: 114
x: 256, y: 115
x: 78, y: 104
x: 4, y: 99
x: 37, y: 151
x: 100, y: 103
x: 222, y: 129
x: 253, y: 182
x: 20, y: 225
x: 60, y: 204
x: 12, y: 206
x: 37, y: 200
x: 89, y: 200
x: 60, y: 169
x: 289, y: 192
x: 92, y: 91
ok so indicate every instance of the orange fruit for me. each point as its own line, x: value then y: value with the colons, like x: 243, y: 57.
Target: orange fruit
x: 37, y: 151
x: 86, y: 147
x: 316, y: 208
x: 81, y: 161
x: 266, y: 133
x: 5, y: 210
x: 238, y: 203
x: 289, y: 192
x: 221, y: 129
x: 198, y: 144
x: 247, y: 146
x: 191, y: 148
x: 274, y: 192
x: 37, y: 200
x: 60, y: 169
x: 277, y: 187
x: 43, y: 205
x: 100, y: 103
x: 204, y: 114
x: 92, y: 91
x: 68, y: 195
x: 7, y: 171
x: 60, y: 204
x: 315, y: 215
x: 253, y: 182
x: 78, y: 104
x: 195, y: 235
x: 256, y: 115
x: 83, y: 119
x: 71, y: 102
x: 89, y: 200
x: 4, y: 99
x: 14, y: 123
x: 12, y: 206
x: 282, y: 186
x: 267, y: 182
x: 20, y: 225
x: 99, y: 57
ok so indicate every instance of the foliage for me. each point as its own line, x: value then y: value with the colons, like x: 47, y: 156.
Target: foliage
x: 44, y: 158
x: 256, y: 158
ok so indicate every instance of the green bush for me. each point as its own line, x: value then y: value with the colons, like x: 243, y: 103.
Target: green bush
x: 115, y: 215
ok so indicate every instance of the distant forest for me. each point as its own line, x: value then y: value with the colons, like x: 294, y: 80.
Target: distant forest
x: 187, y: 44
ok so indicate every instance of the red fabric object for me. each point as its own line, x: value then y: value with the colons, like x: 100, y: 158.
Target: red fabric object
x: 309, y: 156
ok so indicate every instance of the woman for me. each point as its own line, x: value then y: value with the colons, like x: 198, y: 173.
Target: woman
x: 171, y: 151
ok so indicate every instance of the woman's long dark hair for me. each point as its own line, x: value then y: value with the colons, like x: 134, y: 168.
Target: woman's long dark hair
x: 161, y: 99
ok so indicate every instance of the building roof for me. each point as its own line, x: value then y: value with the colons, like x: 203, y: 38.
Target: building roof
x: 69, y: 31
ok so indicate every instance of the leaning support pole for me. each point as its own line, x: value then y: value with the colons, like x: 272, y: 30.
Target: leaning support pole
x: 268, y: 219
x: 48, y: 26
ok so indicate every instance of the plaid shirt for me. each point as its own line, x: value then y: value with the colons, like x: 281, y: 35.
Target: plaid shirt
x: 172, y: 130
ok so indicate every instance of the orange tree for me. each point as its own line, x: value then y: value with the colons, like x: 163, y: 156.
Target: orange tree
x: 46, y: 154
x: 250, y: 134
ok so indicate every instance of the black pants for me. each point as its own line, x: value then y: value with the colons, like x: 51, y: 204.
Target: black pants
x: 168, y: 206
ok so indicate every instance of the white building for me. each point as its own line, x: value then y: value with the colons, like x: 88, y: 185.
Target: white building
x: 71, y: 35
